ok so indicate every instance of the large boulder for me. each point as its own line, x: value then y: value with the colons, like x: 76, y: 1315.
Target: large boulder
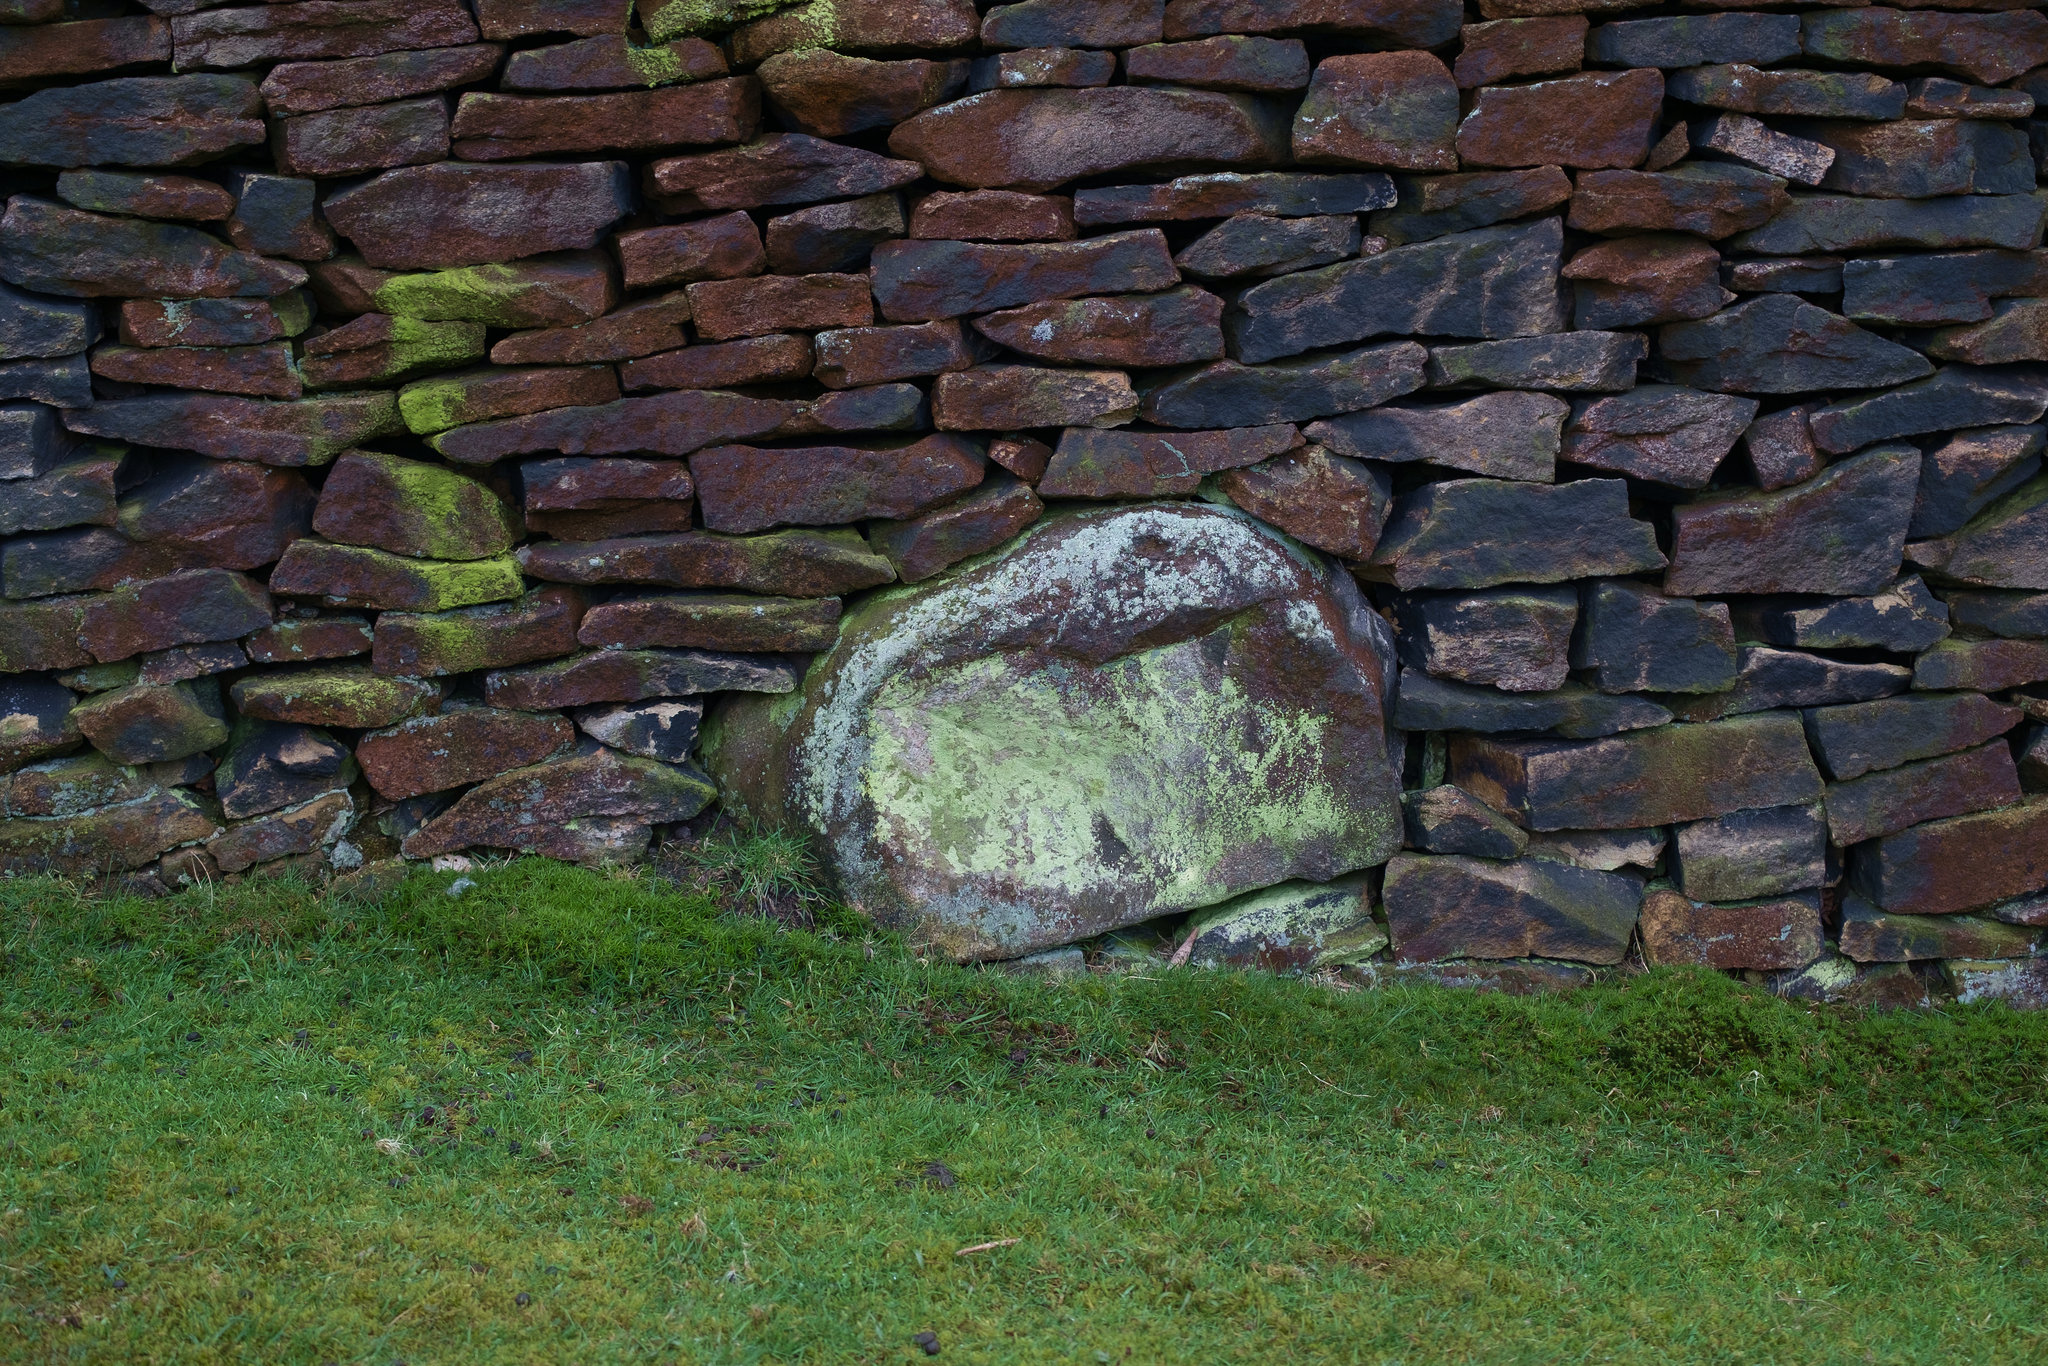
x: 1129, y: 712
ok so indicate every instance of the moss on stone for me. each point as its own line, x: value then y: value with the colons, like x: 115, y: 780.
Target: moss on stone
x: 489, y: 295
x: 683, y: 18
x: 432, y: 405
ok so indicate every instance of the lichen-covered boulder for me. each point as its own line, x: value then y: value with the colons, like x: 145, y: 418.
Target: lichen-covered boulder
x: 1128, y: 712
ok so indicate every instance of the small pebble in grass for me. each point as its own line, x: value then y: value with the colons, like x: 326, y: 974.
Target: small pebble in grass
x: 1439, y: 1164
x: 1149, y: 1133
x: 192, y: 1036
x: 427, y: 1115
x: 1103, y: 1113
x: 522, y: 1299
x: 927, y: 1340
x: 490, y: 1131
x: 459, y: 886
x: 940, y: 1175
x: 513, y: 1147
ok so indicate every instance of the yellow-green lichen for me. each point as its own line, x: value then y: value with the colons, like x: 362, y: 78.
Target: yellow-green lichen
x: 683, y: 18
x: 491, y: 295
x: 432, y: 405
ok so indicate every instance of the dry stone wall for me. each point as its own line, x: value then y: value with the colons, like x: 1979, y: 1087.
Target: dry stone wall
x: 1477, y: 492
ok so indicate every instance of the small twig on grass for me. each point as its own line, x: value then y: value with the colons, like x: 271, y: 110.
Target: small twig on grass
x: 987, y: 1247
x: 1333, y: 1085
x: 1186, y: 949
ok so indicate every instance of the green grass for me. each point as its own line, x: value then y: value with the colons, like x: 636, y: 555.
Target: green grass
x: 738, y: 1143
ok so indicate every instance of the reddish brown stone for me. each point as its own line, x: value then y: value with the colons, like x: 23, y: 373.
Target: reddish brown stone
x: 608, y: 62
x: 527, y: 18
x: 1250, y: 65
x: 213, y: 322
x: 1024, y: 456
x: 262, y: 371
x: 142, y: 193
x: 307, y: 87
x: 1176, y: 327
x: 829, y: 95
x: 1001, y: 397
x: 1608, y: 118
x: 435, y: 405
x: 1781, y: 450
x: 782, y: 168
x: 83, y: 558
x: 491, y: 127
x: 82, y: 48
x: 804, y: 564
x: 833, y: 237
x: 1037, y: 139
x: 721, y: 248
x: 920, y: 280
x: 225, y: 514
x: 1043, y: 66
x: 377, y: 348
x: 301, y: 830
x: 1989, y: 48
x: 230, y: 39
x: 192, y: 607
x: 539, y: 625
x: 344, y: 285
x: 1713, y: 201
x: 638, y: 329
x: 745, y: 488
x: 1891, y: 799
x: 773, y: 303
x: 301, y: 640
x: 1648, y: 279
x: 635, y: 675
x: 1393, y: 109
x: 1765, y: 935
x: 982, y: 520
x: 413, y: 508
x: 450, y: 214
x: 752, y: 360
x: 662, y: 424
x: 1520, y: 47
x: 634, y: 519
x: 1098, y: 464
x: 364, y: 576
x: 1328, y: 501
x: 349, y: 141
x: 459, y: 746
x: 1659, y: 432
x: 581, y: 484
x: 1394, y: 23
x: 854, y: 26
x: 1957, y: 864
x: 712, y: 621
x: 993, y: 216
x: 535, y: 807
x: 40, y: 635
x: 850, y: 357
x: 125, y: 835
x: 145, y: 724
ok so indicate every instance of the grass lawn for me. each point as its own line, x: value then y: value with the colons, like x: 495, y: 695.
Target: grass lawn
x: 576, y: 1118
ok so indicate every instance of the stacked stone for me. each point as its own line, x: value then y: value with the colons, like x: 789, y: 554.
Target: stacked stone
x: 415, y: 414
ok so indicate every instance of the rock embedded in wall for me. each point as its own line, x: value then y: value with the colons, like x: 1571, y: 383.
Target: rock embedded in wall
x: 1370, y: 491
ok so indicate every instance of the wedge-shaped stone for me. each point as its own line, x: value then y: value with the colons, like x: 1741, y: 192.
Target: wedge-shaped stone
x: 916, y: 281
x: 747, y: 488
x: 712, y: 621
x: 1982, y: 47
x: 1449, y: 906
x: 464, y: 744
x: 1504, y: 435
x: 1260, y: 246
x: 1842, y: 533
x: 1870, y: 935
x: 1956, y: 396
x: 1039, y: 139
x: 556, y: 290
x: 2002, y: 548
x: 493, y: 127
x: 1712, y: 200
x: 1778, y: 344
x: 486, y: 393
x: 1855, y: 739
x: 1645, y: 777
x: 1962, y: 477
x: 2017, y: 616
x: 1106, y: 464
x: 305, y: 432
x: 1289, y: 928
x: 539, y: 625
x: 1227, y: 393
x: 363, y: 576
x: 1766, y: 679
x: 307, y: 87
x: 1517, y: 639
x: 634, y: 675
x: 1175, y: 327
x: 1814, y: 94
x: 864, y: 26
x: 802, y: 564
x: 1449, y: 820
x: 1494, y: 282
x: 1573, y: 710
x: 997, y: 509
x: 1570, y: 362
x: 452, y: 214
x: 1924, y: 158
x: 192, y: 607
x: 1395, y: 23
x: 1663, y: 433
x: 1432, y: 206
x: 1981, y: 665
x: 226, y: 514
x: 1816, y: 223
x: 1473, y: 533
x: 52, y: 249
x: 1889, y: 800
x: 672, y: 424
x: 1774, y: 934
x: 377, y: 348
x: 229, y: 39
x: 133, y: 121
x: 1280, y: 194
x: 525, y: 808
x: 781, y: 168
x: 828, y: 94
x: 269, y: 765
x: 1328, y: 501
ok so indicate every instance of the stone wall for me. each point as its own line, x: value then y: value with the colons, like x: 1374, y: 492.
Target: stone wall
x: 1484, y: 493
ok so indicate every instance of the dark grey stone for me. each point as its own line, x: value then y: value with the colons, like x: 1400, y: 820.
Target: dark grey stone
x: 2016, y: 616
x: 1261, y: 245
x: 65, y: 382
x: 1954, y: 397
x: 1923, y: 159
x: 1766, y: 677
x: 31, y: 325
x: 1508, y: 435
x: 1904, y: 619
x: 1227, y: 394
x: 1969, y: 472
x: 1856, y: 738
x: 133, y: 121
x: 1778, y: 344
x: 1696, y: 40
x: 1784, y: 275
x: 1475, y: 533
x: 32, y: 440
x: 1494, y: 282
x: 1446, y: 906
x: 1573, y: 711
x: 1943, y: 287
x: 1780, y: 448
x: 1664, y: 433
x: 1450, y: 820
x: 1814, y: 94
x: 1287, y: 194
x: 833, y: 237
x: 1434, y: 206
x: 1632, y: 638
x: 665, y: 729
x: 1830, y: 222
x: 1569, y: 362
x: 269, y: 765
